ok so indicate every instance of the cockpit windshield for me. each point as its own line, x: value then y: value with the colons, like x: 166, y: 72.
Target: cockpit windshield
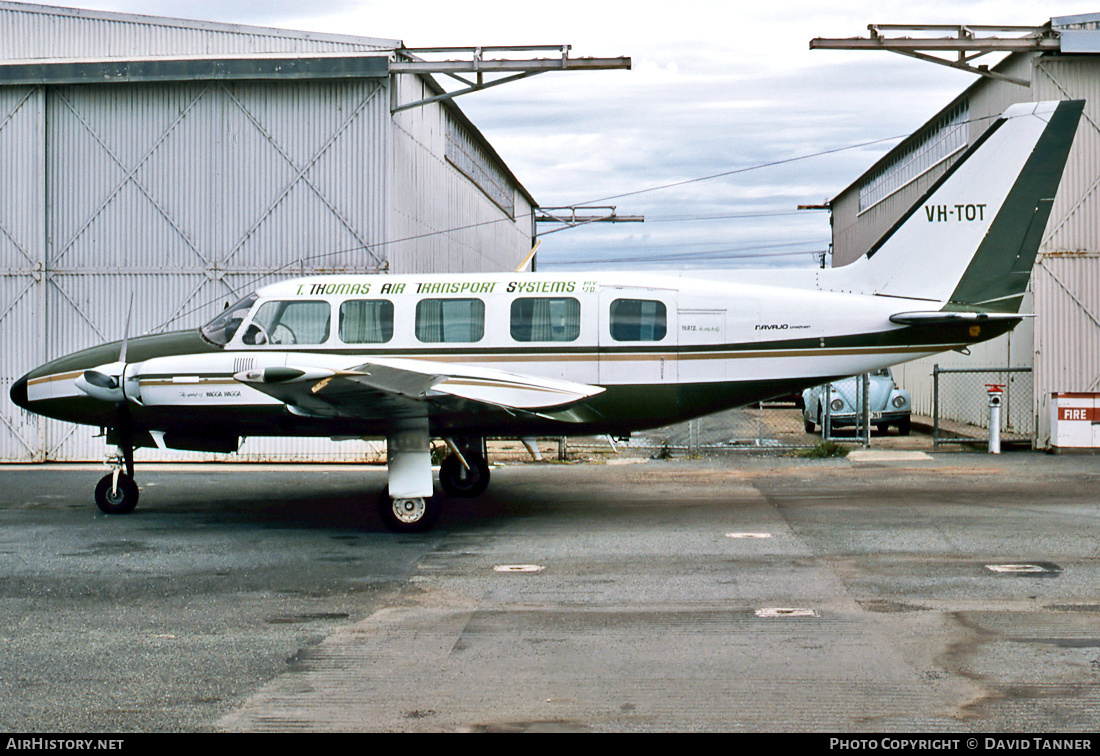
x: 221, y: 329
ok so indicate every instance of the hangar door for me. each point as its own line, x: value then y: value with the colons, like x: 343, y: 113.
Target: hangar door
x: 22, y: 262
x: 1067, y: 330
x: 184, y: 195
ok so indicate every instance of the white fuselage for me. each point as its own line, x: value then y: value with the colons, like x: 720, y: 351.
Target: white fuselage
x: 607, y: 330
x: 713, y: 330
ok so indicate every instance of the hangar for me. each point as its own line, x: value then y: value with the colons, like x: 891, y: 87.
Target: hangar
x: 1059, y: 60
x: 184, y: 163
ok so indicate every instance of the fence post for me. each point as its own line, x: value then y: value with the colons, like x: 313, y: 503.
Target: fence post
x: 865, y: 408
x: 935, y: 406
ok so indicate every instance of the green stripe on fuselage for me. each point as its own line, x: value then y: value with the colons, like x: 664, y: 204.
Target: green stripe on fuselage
x: 138, y: 349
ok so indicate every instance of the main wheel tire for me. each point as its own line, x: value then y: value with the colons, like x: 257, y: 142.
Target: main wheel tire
x: 809, y: 425
x: 120, y: 499
x: 905, y: 427
x: 459, y: 482
x: 410, y: 515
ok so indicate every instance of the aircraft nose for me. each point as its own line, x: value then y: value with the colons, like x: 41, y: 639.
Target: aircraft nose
x: 19, y: 393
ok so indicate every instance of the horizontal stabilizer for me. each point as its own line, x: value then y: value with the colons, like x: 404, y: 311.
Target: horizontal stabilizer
x: 945, y: 317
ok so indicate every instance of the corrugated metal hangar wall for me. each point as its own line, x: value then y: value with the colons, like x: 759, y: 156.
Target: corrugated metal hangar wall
x: 1061, y: 342
x: 186, y: 194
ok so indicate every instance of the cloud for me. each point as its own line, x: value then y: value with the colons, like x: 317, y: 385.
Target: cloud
x: 715, y: 88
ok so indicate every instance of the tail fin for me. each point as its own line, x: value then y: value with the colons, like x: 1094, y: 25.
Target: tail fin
x: 971, y: 241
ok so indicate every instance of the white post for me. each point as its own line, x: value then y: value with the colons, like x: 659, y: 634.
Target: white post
x: 995, y: 395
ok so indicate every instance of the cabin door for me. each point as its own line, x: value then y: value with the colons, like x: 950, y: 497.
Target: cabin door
x: 638, y: 335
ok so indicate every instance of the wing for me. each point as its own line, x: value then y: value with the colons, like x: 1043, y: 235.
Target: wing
x: 385, y: 387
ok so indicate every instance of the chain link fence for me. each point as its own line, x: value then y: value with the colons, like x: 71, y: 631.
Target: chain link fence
x: 960, y: 415
x: 769, y: 425
x: 960, y: 405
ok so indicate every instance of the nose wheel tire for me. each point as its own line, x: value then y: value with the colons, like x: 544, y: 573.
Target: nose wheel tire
x: 410, y: 515
x: 116, y: 497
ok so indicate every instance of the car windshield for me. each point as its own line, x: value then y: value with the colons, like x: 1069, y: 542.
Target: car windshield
x: 221, y: 329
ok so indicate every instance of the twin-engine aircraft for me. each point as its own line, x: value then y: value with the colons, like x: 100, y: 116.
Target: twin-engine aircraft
x: 466, y: 357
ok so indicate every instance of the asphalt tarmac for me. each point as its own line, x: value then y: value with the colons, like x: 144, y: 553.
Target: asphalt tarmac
x: 885, y: 592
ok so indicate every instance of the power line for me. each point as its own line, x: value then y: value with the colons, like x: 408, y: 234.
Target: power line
x: 732, y: 253
x: 743, y: 170
x: 769, y: 164
x: 724, y: 216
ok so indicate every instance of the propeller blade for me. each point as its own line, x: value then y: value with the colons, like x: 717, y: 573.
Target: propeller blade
x: 126, y: 330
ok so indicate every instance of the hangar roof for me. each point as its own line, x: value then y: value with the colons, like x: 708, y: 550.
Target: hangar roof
x: 50, y: 45
x: 1078, y: 34
x: 255, y: 66
x: 39, y: 31
x: 44, y: 45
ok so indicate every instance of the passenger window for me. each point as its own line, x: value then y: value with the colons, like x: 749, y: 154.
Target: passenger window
x: 638, y: 320
x: 289, y: 323
x: 366, y: 321
x: 450, y: 320
x: 546, y: 319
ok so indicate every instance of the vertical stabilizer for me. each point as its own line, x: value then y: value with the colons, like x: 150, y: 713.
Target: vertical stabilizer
x: 971, y: 241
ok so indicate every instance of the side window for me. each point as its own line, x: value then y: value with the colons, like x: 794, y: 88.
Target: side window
x: 546, y: 319
x: 638, y: 320
x: 366, y: 321
x: 450, y: 320
x: 289, y: 323
x: 221, y: 329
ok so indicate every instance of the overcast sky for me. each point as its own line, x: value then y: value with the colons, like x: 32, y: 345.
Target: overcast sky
x: 715, y: 87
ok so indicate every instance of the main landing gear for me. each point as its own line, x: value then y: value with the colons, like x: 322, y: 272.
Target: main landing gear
x: 408, y: 514
x: 464, y: 473
x: 407, y: 505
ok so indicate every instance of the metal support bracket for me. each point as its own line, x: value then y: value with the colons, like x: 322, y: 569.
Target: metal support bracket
x: 411, y: 61
x: 569, y: 217
x: 966, y: 43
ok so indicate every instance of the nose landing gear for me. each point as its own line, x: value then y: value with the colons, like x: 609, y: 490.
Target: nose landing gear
x: 116, y: 492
